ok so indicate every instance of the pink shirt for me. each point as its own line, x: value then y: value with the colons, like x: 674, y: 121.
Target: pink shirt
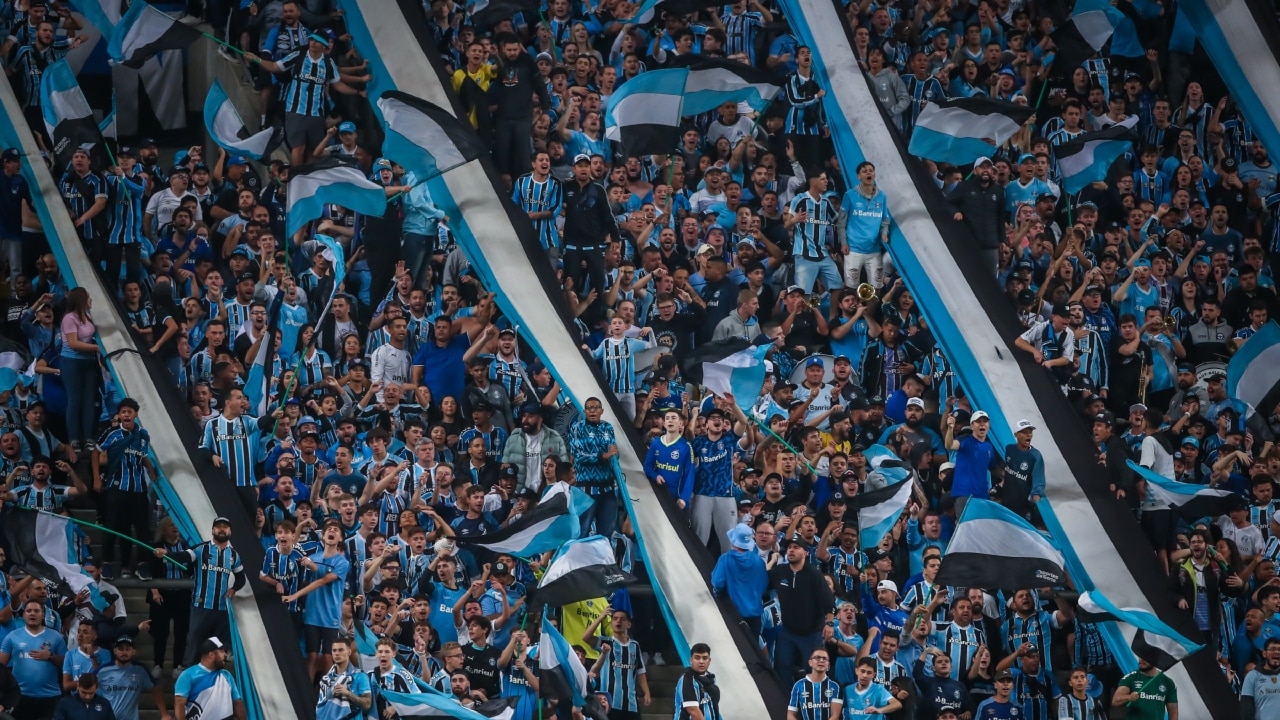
x: 82, y: 331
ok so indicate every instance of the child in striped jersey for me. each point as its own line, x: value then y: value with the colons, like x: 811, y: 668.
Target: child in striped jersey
x: 282, y: 567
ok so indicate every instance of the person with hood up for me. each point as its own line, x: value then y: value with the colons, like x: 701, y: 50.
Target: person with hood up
x: 741, y: 574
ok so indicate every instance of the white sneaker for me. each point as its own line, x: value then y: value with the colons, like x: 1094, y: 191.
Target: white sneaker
x: 657, y: 660
x: 177, y: 670
x: 156, y: 672
x: 644, y: 657
x: 227, y: 54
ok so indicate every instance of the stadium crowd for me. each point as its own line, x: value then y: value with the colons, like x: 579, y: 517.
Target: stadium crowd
x: 407, y: 419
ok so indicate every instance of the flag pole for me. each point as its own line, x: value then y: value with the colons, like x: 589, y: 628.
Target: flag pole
x: 785, y: 444
x: 109, y: 531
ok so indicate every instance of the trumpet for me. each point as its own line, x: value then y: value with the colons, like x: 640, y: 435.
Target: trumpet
x: 814, y: 301
x: 1170, y: 324
x: 867, y: 293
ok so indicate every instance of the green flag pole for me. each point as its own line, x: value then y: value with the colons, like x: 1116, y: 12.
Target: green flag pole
x: 109, y: 531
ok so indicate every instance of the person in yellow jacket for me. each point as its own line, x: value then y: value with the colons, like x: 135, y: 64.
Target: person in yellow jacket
x: 478, y: 71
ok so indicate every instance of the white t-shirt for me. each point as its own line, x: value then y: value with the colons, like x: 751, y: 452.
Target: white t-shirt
x: 1154, y: 456
x: 1248, y: 539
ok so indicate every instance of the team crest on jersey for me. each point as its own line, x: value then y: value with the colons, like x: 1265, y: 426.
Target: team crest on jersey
x: 1024, y: 466
x: 675, y: 454
x: 1014, y: 712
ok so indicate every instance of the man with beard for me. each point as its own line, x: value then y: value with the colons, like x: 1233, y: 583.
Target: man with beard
x: 1187, y: 388
x: 979, y: 204
x: 1200, y: 582
x: 889, y: 360
x: 530, y: 445
x: 1207, y: 339
x: 1091, y: 353
x: 219, y: 574
x: 672, y: 329
x: 914, y: 431
x: 213, y: 660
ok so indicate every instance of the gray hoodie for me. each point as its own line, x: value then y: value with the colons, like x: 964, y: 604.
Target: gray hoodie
x: 891, y: 92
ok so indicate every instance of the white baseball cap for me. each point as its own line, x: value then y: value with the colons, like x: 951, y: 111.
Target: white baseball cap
x: 915, y: 402
x: 1024, y: 424
x: 979, y: 415
x: 888, y: 585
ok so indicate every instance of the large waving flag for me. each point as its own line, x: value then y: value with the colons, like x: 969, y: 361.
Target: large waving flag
x: 69, y: 119
x: 426, y: 137
x: 1122, y: 17
x: 228, y: 130
x: 714, y: 81
x: 581, y: 570
x: 1253, y: 375
x: 1080, y: 38
x: 563, y: 677
x: 649, y: 9
x: 331, y: 180
x: 740, y: 374
x: 428, y: 705
x: 144, y: 32
x: 1088, y: 158
x: 962, y: 130
x: 108, y: 126
x: 995, y: 548
x: 1186, y: 499
x: 878, y: 510
x: 884, y: 468
x: 547, y: 526
x: 43, y: 544
x: 487, y: 13
x: 257, y: 389
x: 644, y: 114
x: 337, y: 257
x: 101, y: 14
x: 1153, y: 641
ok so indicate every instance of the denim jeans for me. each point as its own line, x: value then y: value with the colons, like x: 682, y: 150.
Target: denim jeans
x: 604, y: 513
x: 807, y: 271
x: 80, y: 377
x: 791, y: 653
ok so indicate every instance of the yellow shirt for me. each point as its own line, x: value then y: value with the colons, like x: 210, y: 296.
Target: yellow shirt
x: 576, y: 617
x: 481, y: 77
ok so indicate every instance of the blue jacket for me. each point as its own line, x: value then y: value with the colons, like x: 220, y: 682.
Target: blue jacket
x: 72, y: 707
x: 741, y: 574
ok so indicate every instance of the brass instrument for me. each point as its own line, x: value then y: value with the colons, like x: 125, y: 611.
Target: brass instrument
x: 814, y: 301
x: 1143, y: 381
x: 867, y: 294
x: 1170, y: 324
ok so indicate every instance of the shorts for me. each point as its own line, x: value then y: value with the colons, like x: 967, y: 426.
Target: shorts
x: 303, y: 130
x: 320, y: 639
x: 1159, y: 529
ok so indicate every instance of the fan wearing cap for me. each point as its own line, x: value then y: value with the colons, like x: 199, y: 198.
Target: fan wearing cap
x: 219, y: 574
x: 1137, y: 292
x: 804, y: 601
x: 976, y: 458
x: 346, y: 145
x: 1024, y: 189
x: 1023, y: 472
x: 914, y: 430
x: 980, y: 204
x: 589, y: 227
x: 312, y: 74
x: 191, y: 696
x: 160, y: 207
x: 1051, y: 344
x: 1003, y: 704
x: 817, y: 397
x: 122, y: 682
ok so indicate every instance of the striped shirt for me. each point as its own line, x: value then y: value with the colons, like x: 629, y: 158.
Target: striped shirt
x: 689, y: 691
x: 127, y: 452
x: 1069, y: 707
x: 1261, y: 516
x: 620, y: 674
x: 617, y: 361
x: 80, y: 193
x: 49, y: 497
x: 1090, y: 649
x: 804, y: 114
x: 309, y: 79
x: 215, y: 571
x: 285, y: 567
x: 29, y: 64
x: 1036, y: 629
x: 810, y: 238
x: 740, y: 33
x: 126, y: 211
x: 812, y: 700
x: 236, y: 443
x: 237, y: 315
x: 961, y: 644
x: 922, y: 92
x: 534, y: 196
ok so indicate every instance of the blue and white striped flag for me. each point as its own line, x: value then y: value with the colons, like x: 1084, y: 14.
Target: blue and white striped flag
x: 740, y: 374
x: 69, y: 119
x: 228, y: 130
x: 257, y: 389
x: 210, y: 696
x: 549, y: 525
x: 962, y: 130
x: 144, y: 32
x: 1088, y: 158
x: 563, y: 676
x: 337, y: 256
x: 644, y: 113
x: 1153, y: 641
x: 1253, y: 375
x: 103, y: 15
x: 428, y: 705
x: 714, y: 81
x: 879, y: 510
x: 1188, y: 500
x: 995, y: 548
x: 581, y: 570
x: 331, y: 180
x: 424, y: 137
